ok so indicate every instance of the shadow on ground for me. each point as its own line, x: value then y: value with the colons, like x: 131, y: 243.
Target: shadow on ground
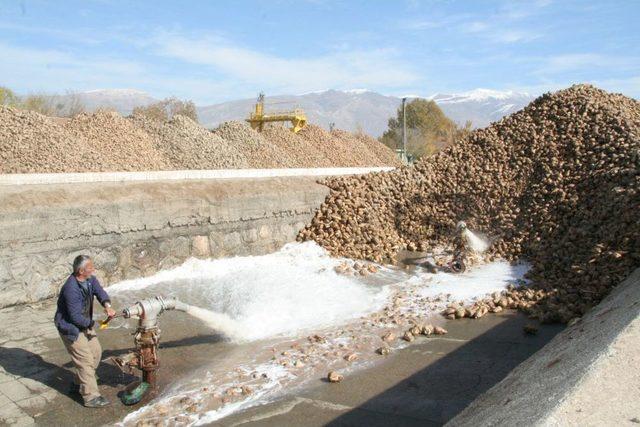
x: 436, y: 393
x: 26, y: 364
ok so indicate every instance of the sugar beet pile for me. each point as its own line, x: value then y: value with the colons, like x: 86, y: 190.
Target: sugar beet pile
x: 106, y: 141
x: 556, y: 184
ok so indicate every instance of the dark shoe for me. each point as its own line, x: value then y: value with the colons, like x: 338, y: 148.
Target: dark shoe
x: 98, y: 402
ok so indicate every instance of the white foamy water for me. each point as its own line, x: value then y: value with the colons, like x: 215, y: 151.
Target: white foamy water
x: 291, y: 290
x: 287, y: 294
x: 473, y: 283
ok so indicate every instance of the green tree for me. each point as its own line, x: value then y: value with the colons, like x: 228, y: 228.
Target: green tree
x: 7, y: 97
x: 428, y: 129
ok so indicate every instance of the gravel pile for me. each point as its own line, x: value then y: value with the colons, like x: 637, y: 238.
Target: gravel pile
x: 105, y: 141
x: 22, y: 132
x: 371, y: 145
x: 556, y: 184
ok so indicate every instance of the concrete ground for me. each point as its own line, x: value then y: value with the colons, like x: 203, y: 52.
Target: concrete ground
x: 426, y: 383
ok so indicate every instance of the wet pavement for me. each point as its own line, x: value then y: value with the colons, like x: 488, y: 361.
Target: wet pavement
x: 426, y: 383
x: 35, y: 369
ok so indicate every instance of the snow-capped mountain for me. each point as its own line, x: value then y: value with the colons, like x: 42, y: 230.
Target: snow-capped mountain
x: 370, y: 111
x: 349, y: 109
x: 478, y: 95
x: 481, y: 106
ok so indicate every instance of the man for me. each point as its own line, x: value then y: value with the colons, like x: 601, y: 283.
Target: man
x: 74, y: 320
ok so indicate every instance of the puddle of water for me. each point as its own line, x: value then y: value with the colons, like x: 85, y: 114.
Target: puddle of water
x: 280, y: 301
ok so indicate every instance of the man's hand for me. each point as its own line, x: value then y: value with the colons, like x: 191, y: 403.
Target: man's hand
x: 110, y: 312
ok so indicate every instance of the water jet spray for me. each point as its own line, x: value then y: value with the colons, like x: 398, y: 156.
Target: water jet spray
x: 465, y: 242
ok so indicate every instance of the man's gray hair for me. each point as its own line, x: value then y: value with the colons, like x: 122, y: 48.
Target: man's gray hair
x: 79, y: 262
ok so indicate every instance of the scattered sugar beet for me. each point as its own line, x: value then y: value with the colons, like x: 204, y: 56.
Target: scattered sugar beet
x: 556, y: 184
x: 334, y: 377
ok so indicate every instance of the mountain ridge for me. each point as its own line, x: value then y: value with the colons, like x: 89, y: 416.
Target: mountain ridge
x: 351, y: 110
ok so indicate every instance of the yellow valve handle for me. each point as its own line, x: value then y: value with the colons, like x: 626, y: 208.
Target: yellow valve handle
x: 104, y: 324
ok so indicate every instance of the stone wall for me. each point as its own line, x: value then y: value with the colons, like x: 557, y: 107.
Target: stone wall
x: 136, y: 229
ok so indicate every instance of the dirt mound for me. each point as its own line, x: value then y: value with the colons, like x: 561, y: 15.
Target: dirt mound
x: 557, y: 184
x: 315, y: 147
x: 20, y: 134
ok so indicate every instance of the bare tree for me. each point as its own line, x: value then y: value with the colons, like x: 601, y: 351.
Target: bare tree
x: 39, y: 103
x: 167, y: 109
x: 7, y: 96
x: 73, y: 104
x: 176, y: 107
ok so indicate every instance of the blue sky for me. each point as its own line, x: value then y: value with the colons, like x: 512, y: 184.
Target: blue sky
x: 221, y: 50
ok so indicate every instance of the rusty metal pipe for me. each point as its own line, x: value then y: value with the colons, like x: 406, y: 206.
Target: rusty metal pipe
x: 149, y: 309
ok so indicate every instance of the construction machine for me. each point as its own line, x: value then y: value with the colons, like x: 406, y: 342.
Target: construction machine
x: 258, y: 118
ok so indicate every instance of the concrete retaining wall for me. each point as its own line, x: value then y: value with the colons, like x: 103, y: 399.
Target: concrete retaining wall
x: 588, y: 375
x: 176, y: 175
x: 134, y: 229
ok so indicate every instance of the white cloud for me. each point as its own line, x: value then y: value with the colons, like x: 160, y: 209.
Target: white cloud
x: 341, y: 69
x: 54, y: 71
x: 628, y: 86
x: 506, y: 26
x: 476, y: 27
x: 513, y: 36
x: 444, y: 21
x: 222, y: 70
x: 573, y: 61
x: 498, y: 32
x: 516, y: 10
x: 49, y: 67
x: 585, y: 61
